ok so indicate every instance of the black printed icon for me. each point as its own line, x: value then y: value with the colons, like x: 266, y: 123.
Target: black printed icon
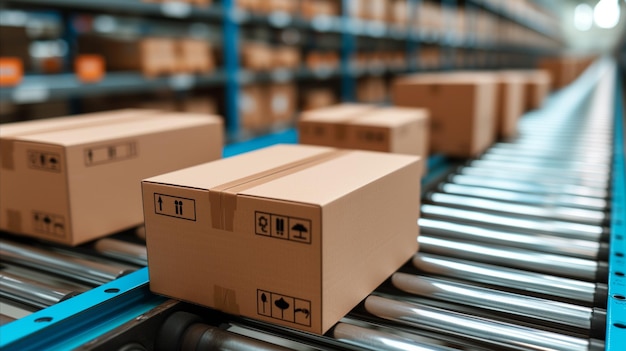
x: 173, y: 206
x: 263, y: 224
x: 90, y: 156
x: 280, y: 226
x: 264, y: 300
x: 49, y: 223
x: 304, y: 311
x: 43, y: 160
x: 112, y: 152
x: 300, y: 229
x: 282, y: 304
x: 179, y: 207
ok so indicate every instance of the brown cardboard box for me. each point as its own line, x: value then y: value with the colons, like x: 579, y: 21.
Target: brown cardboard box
x: 312, y: 8
x: 371, y: 89
x: 537, y: 88
x: 194, y: 56
x: 256, y: 56
x: 391, y: 129
x: 462, y: 109
x: 78, y: 182
x: 253, y: 112
x: 511, y: 100
x: 152, y: 56
x: 200, y: 105
x: 318, y: 98
x: 562, y: 70
x: 286, y: 57
x: 328, y: 126
x: 282, y: 101
x: 276, y: 235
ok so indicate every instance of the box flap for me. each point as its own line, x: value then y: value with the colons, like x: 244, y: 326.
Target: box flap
x: 107, y: 132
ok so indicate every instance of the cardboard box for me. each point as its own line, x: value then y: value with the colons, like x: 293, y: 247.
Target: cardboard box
x: 194, y: 56
x: 562, y: 70
x: 392, y: 129
x: 276, y: 235
x: 286, y: 57
x: 256, y: 56
x: 89, y: 68
x: 328, y: 126
x: 318, y: 98
x: 538, y: 84
x: 462, y: 109
x: 78, y: 181
x: 313, y: 8
x: 511, y: 100
x: 371, y: 89
x: 151, y: 55
x: 253, y: 113
x: 282, y: 102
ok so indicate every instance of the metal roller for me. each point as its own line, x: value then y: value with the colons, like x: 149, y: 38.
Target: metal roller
x: 372, y: 339
x: 579, y: 231
x: 501, y: 336
x: 570, y: 267
x: 543, y: 200
x: 568, y: 173
x: 122, y: 250
x: 517, y: 210
x: 548, y: 312
x: 586, y: 249
x: 529, y: 186
x: 521, y: 281
x: 547, y: 162
x: 555, y: 179
x: 31, y: 292
x: 71, y: 267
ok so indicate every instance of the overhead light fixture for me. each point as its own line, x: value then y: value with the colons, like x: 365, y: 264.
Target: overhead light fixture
x: 583, y: 17
x: 606, y: 13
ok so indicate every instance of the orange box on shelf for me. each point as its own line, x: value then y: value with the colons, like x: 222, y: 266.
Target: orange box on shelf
x: 277, y: 236
x: 318, y: 98
x: 89, y: 68
x: 194, y: 56
x: 77, y: 178
x: 11, y: 71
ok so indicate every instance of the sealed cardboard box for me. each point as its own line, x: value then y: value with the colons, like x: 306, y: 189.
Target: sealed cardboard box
x: 194, y: 55
x: 511, y: 100
x: 462, y: 109
x: 276, y: 235
x: 327, y: 126
x: 562, y: 70
x: 78, y: 182
x: 538, y: 84
x: 391, y: 129
x: 318, y: 98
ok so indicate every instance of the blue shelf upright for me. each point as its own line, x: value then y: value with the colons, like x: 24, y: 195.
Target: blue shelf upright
x: 231, y: 66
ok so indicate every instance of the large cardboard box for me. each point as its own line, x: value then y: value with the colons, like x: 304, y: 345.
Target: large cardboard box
x: 511, y: 100
x: 392, y: 129
x: 77, y: 181
x: 328, y: 126
x: 278, y: 236
x: 462, y: 109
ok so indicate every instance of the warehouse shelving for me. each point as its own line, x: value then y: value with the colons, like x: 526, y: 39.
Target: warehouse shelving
x: 41, y: 88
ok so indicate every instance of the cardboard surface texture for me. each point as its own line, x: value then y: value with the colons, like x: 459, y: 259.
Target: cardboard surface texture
x: 74, y: 179
x: 511, y: 101
x: 275, y: 235
x: 462, y: 109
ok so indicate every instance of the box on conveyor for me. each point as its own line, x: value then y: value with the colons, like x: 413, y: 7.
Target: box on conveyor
x: 511, y: 102
x: 563, y: 70
x: 365, y: 127
x: 462, y: 109
x: 537, y: 88
x: 74, y: 179
x: 277, y: 236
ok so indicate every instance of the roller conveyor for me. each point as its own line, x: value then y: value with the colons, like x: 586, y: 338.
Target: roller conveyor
x: 514, y: 255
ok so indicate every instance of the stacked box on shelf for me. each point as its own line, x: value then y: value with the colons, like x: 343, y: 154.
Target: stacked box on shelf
x: 261, y: 106
x: 371, y: 89
x: 462, y: 109
x: 71, y: 180
x: 318, y: 98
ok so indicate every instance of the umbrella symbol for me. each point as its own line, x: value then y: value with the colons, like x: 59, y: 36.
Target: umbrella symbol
x: 300, y: 229
x: 282, y: 305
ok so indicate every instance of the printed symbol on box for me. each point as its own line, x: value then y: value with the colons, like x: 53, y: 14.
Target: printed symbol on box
x: 300, y: 230
x: 302, y: 312
x: 173, y: 206
x: 110, y: 153
x: 262, y: 223
x: 49, y: 223
x: 47, y: 161
x: 282, y: 307
x: 279, y: 223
